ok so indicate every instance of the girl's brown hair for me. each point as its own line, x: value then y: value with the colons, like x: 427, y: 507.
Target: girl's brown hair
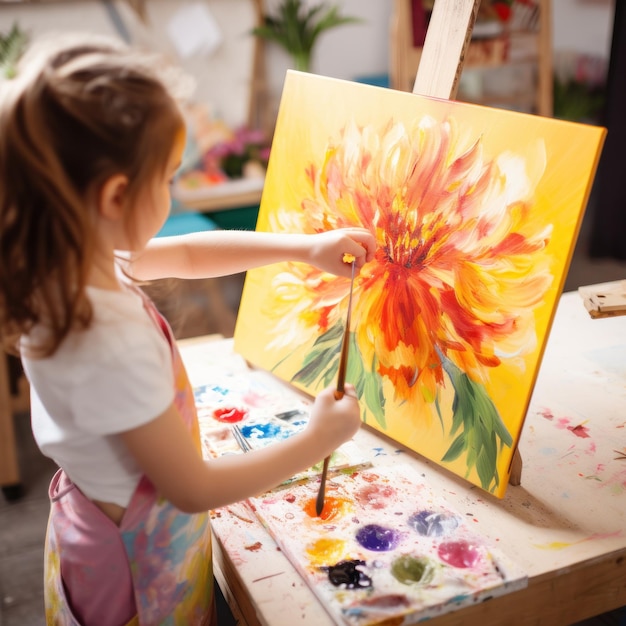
x: 77, y: 113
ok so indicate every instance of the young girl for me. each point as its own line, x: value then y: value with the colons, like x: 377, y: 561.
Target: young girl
x: 89, y: 140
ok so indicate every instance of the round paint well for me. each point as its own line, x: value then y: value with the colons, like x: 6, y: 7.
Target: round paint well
x: 229, y: 415
x: 375, y: 496
x: 346, y: 574
x: 432, y: 524
x: 326, y: 550
x: 377, y: 538
x: 263, y: 431
x: 410, y: 570
x: 333, y: 508
x: 459, y: 553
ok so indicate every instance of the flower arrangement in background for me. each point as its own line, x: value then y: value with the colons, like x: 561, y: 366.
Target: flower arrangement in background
x: 245, y: 154
x: 216, y: 153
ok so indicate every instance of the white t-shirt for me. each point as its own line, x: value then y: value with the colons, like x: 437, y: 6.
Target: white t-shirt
x: 115, y: 376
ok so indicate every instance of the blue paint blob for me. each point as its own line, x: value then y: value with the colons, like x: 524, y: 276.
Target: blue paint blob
x: 431, y: 524
x: 263, y: 431
x: 210, y: 394
x: 377, y: 538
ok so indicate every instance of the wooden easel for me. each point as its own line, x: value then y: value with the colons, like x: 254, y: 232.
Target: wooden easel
x: 447, y: 40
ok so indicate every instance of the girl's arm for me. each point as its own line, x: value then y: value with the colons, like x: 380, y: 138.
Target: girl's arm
x: 224, y: 252
x: 166, y: 454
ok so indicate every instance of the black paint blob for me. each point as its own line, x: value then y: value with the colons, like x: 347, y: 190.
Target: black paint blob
x: 346, y: 574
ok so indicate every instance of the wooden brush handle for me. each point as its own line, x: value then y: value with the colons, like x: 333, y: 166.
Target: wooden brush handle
x: 343, y: 361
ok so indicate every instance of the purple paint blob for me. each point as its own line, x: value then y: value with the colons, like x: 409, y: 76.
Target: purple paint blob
x: 431, y: 524
x: 459, y: 553
x: 377, y: 538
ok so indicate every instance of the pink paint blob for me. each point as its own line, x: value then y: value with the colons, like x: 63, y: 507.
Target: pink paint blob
x: 459, y: 553
x: 229, y: 415
x: 254, y: 399
x: 375, y: 496
x: 547, y: 414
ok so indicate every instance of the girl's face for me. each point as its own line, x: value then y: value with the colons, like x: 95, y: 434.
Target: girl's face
x: 155, y: 202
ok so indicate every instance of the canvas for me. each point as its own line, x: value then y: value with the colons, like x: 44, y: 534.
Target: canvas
x: 475, y: 212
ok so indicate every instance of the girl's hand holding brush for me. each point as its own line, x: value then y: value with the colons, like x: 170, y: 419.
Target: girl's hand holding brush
x: 334, y: 421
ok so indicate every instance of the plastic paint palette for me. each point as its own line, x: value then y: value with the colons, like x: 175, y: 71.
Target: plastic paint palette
x: 254, y: 406
x: 384, y: 548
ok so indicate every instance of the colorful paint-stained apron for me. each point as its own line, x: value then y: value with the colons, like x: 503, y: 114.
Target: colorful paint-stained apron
x: 155, y: 568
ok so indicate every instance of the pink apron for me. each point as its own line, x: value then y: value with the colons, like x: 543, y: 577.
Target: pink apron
x: 155, y: 568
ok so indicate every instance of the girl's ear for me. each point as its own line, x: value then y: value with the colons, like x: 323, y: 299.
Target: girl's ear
x: 112, y: 197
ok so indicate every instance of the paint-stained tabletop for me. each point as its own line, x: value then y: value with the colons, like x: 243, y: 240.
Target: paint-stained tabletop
x: 563, y: 527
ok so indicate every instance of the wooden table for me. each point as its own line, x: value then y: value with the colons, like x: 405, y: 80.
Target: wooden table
x: 565, y: 525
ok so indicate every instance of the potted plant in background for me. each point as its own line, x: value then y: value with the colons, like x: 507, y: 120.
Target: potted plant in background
x: 12, y: 45
x: 296, y: 28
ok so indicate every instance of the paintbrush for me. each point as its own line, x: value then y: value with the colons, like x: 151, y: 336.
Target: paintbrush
x: 340, y: 390
x: 240, y: 439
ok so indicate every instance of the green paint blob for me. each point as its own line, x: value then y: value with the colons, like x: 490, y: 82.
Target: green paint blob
x: 410, y: 570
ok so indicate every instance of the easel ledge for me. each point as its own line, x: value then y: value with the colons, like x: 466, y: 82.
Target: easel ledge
x: 604, y: 299
x: 445, y: 49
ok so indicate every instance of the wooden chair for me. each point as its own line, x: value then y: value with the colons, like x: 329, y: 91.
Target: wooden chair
x: 9, y: 469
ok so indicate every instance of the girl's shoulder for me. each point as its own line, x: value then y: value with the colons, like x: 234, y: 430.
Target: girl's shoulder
x: 114, y: 373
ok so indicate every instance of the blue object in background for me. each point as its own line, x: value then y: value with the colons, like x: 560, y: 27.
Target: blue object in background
x: 186, y: 222
x: 377, y: 80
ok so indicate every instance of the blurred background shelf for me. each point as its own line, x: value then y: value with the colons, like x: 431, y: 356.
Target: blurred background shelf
x: 521, y: 46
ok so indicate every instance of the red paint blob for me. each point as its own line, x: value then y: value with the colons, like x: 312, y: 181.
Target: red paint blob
x: 459, y: 553
x: 229, y: 415
x: 580, y: 431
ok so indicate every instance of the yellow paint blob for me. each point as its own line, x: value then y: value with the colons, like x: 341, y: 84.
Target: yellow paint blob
x: 348, y: 258
x: 555, y: 545
x: 326, y: 551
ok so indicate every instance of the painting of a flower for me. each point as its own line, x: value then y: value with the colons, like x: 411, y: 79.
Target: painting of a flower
x: 449, y: 319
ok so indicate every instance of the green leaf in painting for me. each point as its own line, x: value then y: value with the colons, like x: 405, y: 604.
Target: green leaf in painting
x: 481, y: 430
x: 322, y: 361
x: 368, y: 384
x: 374, y: 397
x: 455, y: 450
